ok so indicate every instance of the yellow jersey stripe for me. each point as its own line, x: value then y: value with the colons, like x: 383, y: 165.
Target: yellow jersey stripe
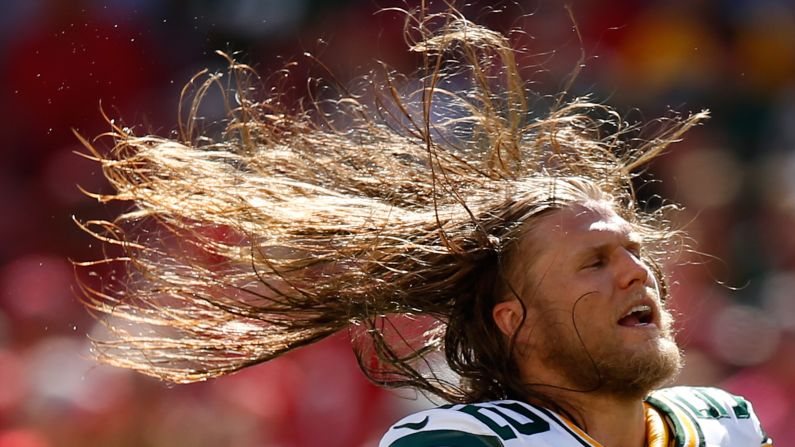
x: 691, y: 432
x: 657, y: 432
x: 580, y: 433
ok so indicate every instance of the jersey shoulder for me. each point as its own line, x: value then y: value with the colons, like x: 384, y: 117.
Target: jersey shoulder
x: 439, y: 427
x: 709, y: 416
x: 489, y: 424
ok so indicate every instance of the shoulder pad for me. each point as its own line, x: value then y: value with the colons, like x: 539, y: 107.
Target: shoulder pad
x: 709, y: 416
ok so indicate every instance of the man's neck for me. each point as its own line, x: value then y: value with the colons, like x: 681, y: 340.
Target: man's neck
x: 611, y: 420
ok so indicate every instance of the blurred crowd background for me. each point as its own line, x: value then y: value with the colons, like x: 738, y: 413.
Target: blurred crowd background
x: 60, y: 58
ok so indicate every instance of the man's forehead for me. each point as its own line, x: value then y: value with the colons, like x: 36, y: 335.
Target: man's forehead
x: 585, y: 218
x: 579, y: 227
x: 569, y: 231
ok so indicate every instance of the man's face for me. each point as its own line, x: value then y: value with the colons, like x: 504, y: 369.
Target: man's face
x: 595, y: 321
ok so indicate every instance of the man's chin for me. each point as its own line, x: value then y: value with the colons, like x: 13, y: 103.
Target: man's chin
x: 641, y: 372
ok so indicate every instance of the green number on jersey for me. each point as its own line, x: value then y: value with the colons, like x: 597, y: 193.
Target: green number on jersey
x: 536, y: 425
x: 715, y: 410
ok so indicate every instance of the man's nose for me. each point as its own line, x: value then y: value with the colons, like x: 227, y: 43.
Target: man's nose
x: 631, y: 269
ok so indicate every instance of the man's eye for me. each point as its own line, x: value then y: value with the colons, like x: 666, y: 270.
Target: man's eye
x: 596, y: 263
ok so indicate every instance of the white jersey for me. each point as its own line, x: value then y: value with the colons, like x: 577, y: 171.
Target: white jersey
x: 696, y: 417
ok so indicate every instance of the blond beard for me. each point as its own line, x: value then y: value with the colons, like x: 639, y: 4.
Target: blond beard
x: 610, y: 370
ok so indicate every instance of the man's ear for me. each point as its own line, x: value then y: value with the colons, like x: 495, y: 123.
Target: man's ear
x: 508, y: 315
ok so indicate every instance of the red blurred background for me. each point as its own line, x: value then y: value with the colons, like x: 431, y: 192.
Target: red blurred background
x: 59, y: 59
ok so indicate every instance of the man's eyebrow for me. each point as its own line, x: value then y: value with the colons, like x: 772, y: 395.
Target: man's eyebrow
x: 630, y: 237
x: 635, y: 238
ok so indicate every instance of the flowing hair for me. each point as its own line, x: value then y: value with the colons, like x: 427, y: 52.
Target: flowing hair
x: 390, y: 213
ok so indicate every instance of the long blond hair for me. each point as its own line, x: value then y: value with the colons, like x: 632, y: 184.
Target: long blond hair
x: 390, y: 217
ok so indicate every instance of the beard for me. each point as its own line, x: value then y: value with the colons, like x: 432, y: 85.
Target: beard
x: 600, y: 366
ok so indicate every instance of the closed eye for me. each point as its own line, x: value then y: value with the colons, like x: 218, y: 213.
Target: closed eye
x: 595, y: 263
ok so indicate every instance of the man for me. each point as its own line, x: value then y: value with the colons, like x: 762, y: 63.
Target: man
x: 592, y: 336
x: 444, y: 220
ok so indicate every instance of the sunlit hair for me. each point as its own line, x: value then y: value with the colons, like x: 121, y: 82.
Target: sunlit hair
x: 389, y: 213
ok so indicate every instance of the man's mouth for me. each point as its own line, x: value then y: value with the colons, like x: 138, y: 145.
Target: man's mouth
x: 640, y: 315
